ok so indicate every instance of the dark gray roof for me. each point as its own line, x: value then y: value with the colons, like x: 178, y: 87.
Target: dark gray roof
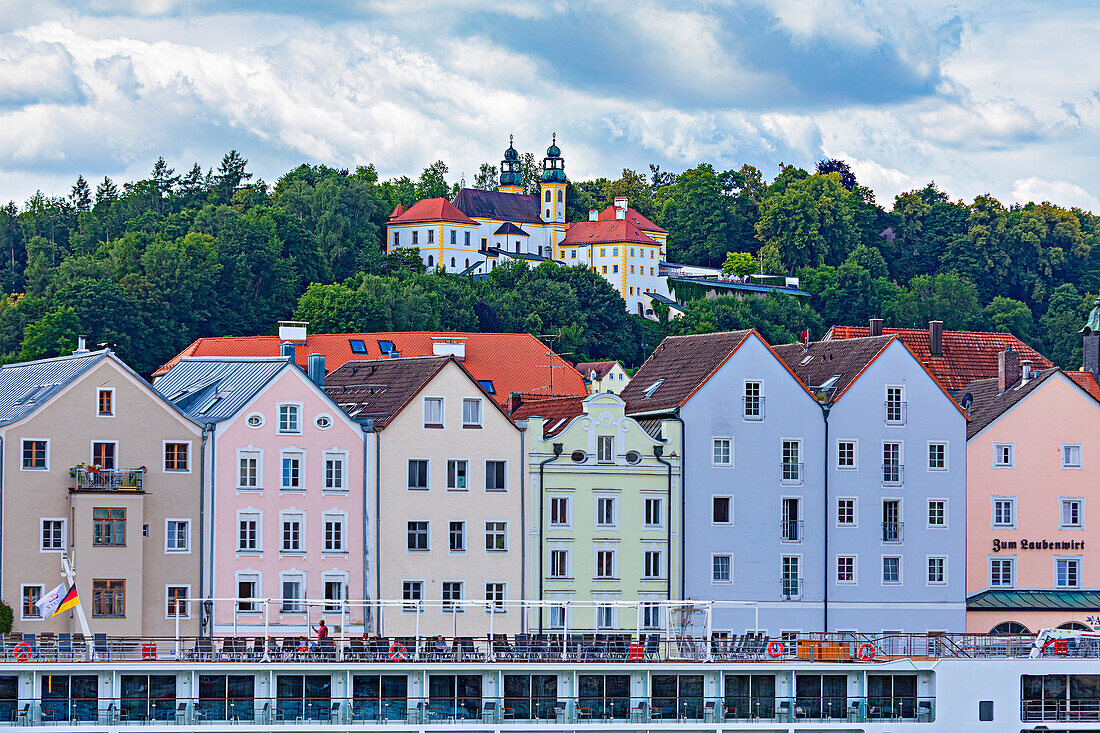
x: 499, y: 251
x: 379, y: 389
x: 212, y: 389
x: 988, y: 403
x: 677, y: 368
x: 27, y: 385
x: 512, y: 207
x: 510, y: 228
x: 1034, y: 600
x: 821, y: 361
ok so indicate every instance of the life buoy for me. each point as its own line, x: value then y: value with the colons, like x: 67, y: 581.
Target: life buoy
x: 866, y: 652
x: 775, y: 649
x: 398, y: 652
x: 23, y: 651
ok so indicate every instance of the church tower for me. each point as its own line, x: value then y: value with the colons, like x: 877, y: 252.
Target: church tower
x: 511, y: 176
x: 1090, y: 340
x: 552, y: 185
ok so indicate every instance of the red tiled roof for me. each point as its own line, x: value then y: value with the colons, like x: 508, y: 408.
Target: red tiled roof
x: 600, y: 367
x: 397, y: 211
x: 427, y: 210
x: 1087, y: 382
x: 967, y: 355
x: 513, y: 362
x: 557, y: 411
x: 634, y: 218
x: 615, y: 231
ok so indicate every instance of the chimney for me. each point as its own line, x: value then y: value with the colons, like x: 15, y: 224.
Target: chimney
x: 593, y: 215
x: 286, y: 349
x: 1008, y: 369
x: 514, y: 401
x: 935, y: 338
x: 620, y: 202
x: 317, y: 369
x: 1025, y: 371
x: 449, y: 346
x: 294, y: 331
x: 620, y: 214
x: 876, y: 327
x: 81, y: 345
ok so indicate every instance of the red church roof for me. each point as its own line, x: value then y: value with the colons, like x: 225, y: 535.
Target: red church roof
x: 616, y: 231
x: 966, y: 355
x: 634, y: 218
x: 502, y: 362
x: 1087, y: 381
x: 431, y: 210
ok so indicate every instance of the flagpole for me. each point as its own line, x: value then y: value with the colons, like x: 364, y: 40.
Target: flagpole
x: 70, y: 577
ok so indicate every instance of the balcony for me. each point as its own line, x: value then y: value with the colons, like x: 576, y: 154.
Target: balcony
x: 891, y: 532
x: 895, y: 413
x: 790, y: 473
x: 893, y: 474
x: 790, y: 589
x: 790, y: 530
x: 107, y: 479
x: 752, y: 407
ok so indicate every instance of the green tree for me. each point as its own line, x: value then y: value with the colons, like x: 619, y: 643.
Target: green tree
x: 52, y: 335
x: 946, y: 297
x: 635, y: 188
x: 1011, y: 316
x: 1066, y: 312
x: 740, y: 263
x: 487, y: 177
x: 432, y: 183
x: 811, y: 221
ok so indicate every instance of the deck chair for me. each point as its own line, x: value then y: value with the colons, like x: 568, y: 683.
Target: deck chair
x: 102, y: 649
x: 356, y: 650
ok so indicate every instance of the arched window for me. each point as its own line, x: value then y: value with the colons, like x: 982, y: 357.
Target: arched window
x: 1009, y: 627
x: 452, y: 263
x: 431, y: 261
x: 548, y: 210
x: 467, y: 262
x: 1074, y: 626
x: 561, y: 195
x: 548, y: 195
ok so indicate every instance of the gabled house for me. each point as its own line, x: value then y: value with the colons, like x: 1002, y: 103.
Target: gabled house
x: 604, y: 376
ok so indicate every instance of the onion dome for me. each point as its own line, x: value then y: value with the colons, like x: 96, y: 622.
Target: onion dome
x: 510, y: 173
x: 553, y: 165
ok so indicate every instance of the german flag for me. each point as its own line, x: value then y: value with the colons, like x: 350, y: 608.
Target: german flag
x: 69, y: 602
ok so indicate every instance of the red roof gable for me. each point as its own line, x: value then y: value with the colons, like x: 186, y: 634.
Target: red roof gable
x: 634, y: 218
x: 967, y: 355
x: 600, y: 367
x: 616, y: 231
x: 427, y: 210
x: 513, y: 362
x: 557, y: 411
x: 1087, y: 381
x: 397, y: 211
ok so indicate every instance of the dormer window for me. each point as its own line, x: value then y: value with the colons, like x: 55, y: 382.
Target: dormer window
x: 651, y: 389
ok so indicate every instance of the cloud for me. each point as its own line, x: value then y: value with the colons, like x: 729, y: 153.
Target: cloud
x: 1064, y: 193
x: 33, y: 73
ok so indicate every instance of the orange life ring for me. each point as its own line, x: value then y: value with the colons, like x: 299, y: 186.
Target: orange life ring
x: 775, y: 649
x: 866, y: 652
x: 23, y: 651
x: 398, y: 652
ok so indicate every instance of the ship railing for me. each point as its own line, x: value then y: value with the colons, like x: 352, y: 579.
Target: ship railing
x: 1062, y: 709
x: 313, y: 704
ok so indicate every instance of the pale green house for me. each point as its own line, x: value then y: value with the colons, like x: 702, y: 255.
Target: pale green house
x: 603, y: 510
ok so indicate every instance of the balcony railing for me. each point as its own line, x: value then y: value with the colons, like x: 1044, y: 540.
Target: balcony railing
x: 790, y: 530
x: 895, y: 413
x: 790, y: 589
x: 893, y: 474
x: 790, y: 473
x: 752, y: 407
x: 107, y: 479
x: 891, y: 532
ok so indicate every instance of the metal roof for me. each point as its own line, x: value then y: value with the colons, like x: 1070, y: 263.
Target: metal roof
x: 1034, y: 600
x: 212, y: 389
x: 748, y: 287
x: 27, y: 385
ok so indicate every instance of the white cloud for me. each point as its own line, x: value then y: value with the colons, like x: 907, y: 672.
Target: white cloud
x: 1064, y: 193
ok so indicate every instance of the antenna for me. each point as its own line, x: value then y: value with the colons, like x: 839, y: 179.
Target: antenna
x: 550, y: 338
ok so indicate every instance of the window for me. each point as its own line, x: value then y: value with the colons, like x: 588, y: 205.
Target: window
x: 605, y: 617
x: 791, y: 516
x: 292, y: 533
x: 846, y: 454
x: 753, y: 403
x: 891, y: 570
x: 792, y: 466
x: 433, y: 412
x: 431, y: 236
x: 418, y: 473
x: 105, y: 402
x: 255, y: 420
x: 248, y: 587
x: 605, y: 511
x: 1004, y: 512
x: 333, y: 531
x: 846, y: 569
x: 721, y: 568
x: 471, y: 413
x: 605, y: 564
x: 248, y: 474
x: 937, y: 570
x: 790, y: 581
x: 36, y: 455
x: 846, y: 512
x: 1071, y: 455
x: 293, y: 593
x: 416, y: 236
x: 556, y: 621
x: 452, y: 591
x: 721, y: 511
x: 559, y: 563
x: 334, y: 472
x: 1072, y: 514
x: 175, y: 456
x: 417, y: 536
x: 495, y: 475
x: 614, y: 269
x: 484, y: 243
x: 333, y: 587
x: 108, y: 527
x: 494, y: 594
x: 653, y: 513
x: 358, y: 346
x: 291, y: 479
x: 937, y: 513
x: 456, y: 536
x: 176, y: 605
x: 1001, y: 572
x: 32, y: 594
x: 397, y: 239
x: 937, y: 456
x: 53, y: 535
x: 651, y: 565
x: 456, y: 475
x: 103, y: 455
x: 559, y: 511
x: 248, y: 532
x: 605, y: 449
x: 290, y: 419
x: 467, y: 239
x: 454, y: 237
x: 1067, y: 572
x: 723, y: 452
x: 177, y: 535
x: 496, y: 536
x: 891, y: 463
x: 603, y: 269
x: 412, y: 593
x: 1003, y: 455
x: 891, y: 521
x: 108, y: 598
x: 895, y: 406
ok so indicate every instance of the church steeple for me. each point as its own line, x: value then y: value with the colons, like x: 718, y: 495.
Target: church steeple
x: 1090, y: 341
x: 552, y: 184
x: 511, y: 174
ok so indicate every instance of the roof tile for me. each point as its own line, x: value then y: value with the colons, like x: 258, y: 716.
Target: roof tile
x: 429, y: 210
x: 678, y: 367
x: 634, y: 218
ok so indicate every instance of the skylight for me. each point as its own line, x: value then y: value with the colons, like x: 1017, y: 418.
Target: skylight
x: 653, y: 387
x: 830, y: 382
x: 487, y: 385
x: 807, y: 360
x: 206, y: 408
x: 385, y: 346
x: 358, y: 346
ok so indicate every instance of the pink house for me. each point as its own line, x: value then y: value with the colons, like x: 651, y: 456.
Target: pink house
x: 1033, y: 466
x: 284, y: 494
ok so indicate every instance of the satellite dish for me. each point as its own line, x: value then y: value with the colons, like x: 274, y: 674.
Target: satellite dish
x: 966, y: 401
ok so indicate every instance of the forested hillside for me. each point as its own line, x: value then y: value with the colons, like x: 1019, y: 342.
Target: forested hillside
x: 150, y: 265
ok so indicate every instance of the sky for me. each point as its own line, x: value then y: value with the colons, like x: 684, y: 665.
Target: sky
x: 981, y: 97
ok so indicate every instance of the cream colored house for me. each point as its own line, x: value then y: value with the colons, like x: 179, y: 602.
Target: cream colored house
x: 446, y: 467
x: 604, y: 377
x: 96, y: 466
